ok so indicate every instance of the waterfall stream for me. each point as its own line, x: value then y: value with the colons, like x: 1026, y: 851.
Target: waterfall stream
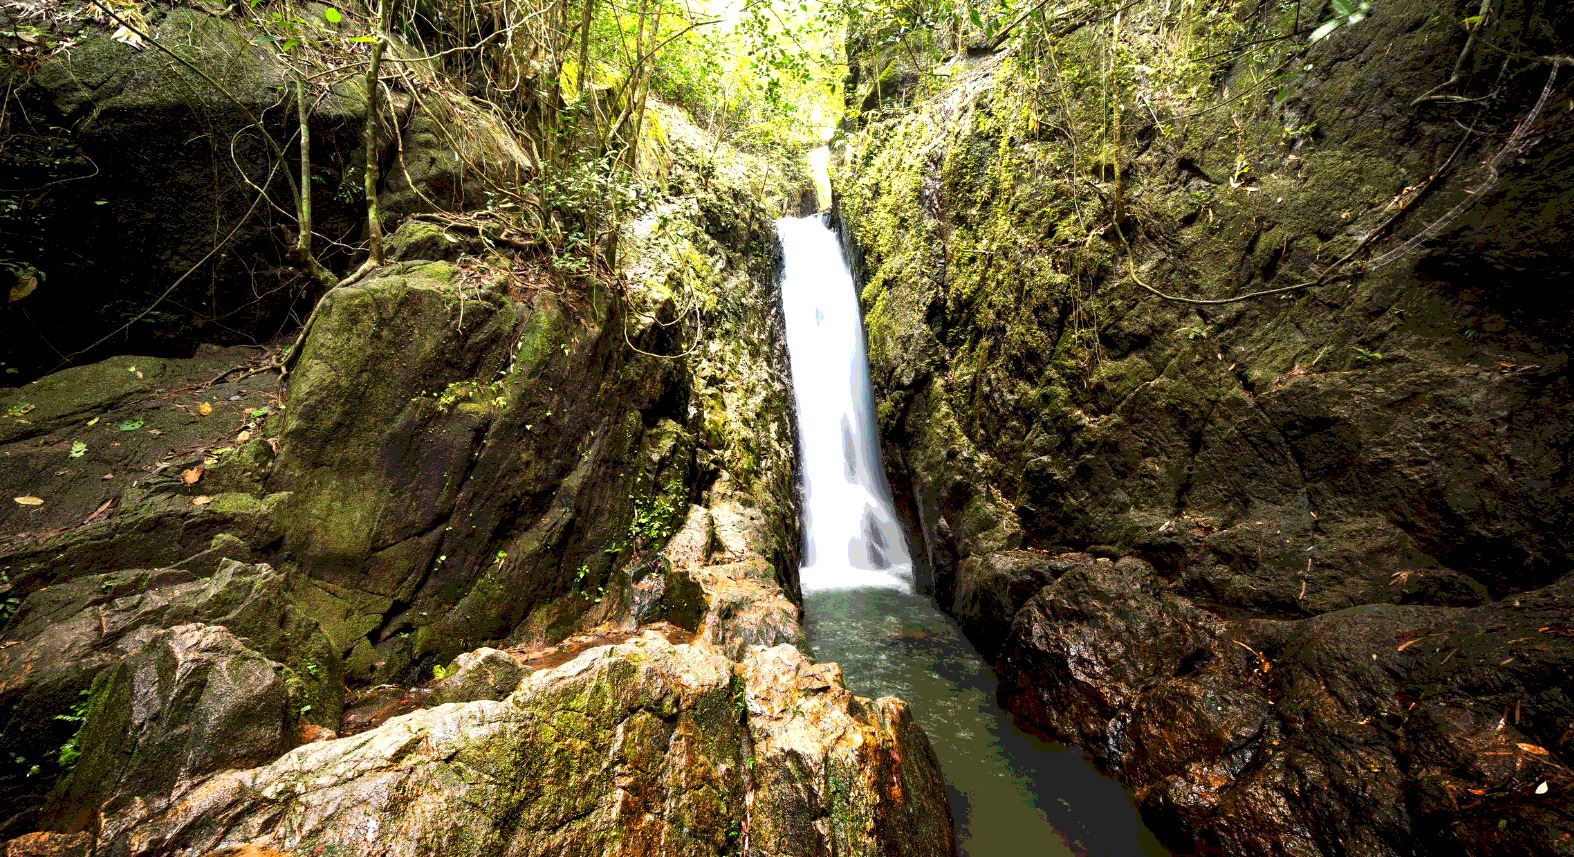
x: 1010, y: 793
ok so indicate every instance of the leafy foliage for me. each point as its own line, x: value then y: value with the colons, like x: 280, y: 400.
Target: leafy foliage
x: 652, y: 522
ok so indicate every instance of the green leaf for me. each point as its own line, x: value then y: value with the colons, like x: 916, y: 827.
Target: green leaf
x: 78, y: 449
x: 362, y: 39
x: 260, y: 413
x: 131, y: 425
x: 331, y: 15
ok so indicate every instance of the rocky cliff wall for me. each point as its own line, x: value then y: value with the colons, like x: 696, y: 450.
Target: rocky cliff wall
x: 1223, y: 376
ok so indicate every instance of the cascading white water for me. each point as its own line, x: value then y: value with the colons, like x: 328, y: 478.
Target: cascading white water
x: 851, y: 536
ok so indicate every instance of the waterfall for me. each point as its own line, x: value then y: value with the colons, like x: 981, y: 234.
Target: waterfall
x: 851, y: 535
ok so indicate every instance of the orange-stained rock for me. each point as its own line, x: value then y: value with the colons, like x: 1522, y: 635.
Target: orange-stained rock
x: 48, y: 845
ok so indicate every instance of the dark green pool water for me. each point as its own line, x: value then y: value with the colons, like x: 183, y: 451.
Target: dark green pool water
x: 1011, y: 794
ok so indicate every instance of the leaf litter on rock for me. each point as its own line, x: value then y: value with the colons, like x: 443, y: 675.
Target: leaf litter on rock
x: 102, y: 511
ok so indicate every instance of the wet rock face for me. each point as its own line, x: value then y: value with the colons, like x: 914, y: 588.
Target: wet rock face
x: 1366, y: 730
x: 877, y: 789
x: 1248, y: 499
x: 1104, y: 633
x: 996, y: 585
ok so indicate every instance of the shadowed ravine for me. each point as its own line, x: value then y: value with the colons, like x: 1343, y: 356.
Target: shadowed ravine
x: 1010, y: 793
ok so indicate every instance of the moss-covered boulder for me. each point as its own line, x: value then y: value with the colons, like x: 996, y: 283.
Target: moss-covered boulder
x: 466, y: 457
x: 639, y: 748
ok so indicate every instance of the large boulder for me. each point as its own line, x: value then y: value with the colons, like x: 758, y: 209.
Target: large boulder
x: 66, y: 640
x: 639, y: 748
x: 186, y: 702
x: 1356, y: 728
x: 441, y: 505
x: 1081, y: 651
x: 834, y: 774
x: 989, y: 589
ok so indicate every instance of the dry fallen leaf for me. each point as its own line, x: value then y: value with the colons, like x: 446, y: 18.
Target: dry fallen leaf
x: 103, y: 510
x: 191, y: 476
x: 204, y: 409
x: 201, y: 501
x: 128, y: 36
x: 23, y: 287
x: 243, y: 437
x: 28, y: 501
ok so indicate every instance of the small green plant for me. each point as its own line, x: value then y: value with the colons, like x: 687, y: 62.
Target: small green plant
x: 1366, y: 355
x: 71, y: 751
x: 652, y: 522
x: 21, y: 761
x: 740, y: 703
x: 9, y: 603
x: 78, y: 449
x: 1296, y: 132
x: 287, y: 31
x: 313, y: 670
x: 1192, y: 333
x: 579, y: 580
x: 439, y: 671
x: 1345, y: 13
